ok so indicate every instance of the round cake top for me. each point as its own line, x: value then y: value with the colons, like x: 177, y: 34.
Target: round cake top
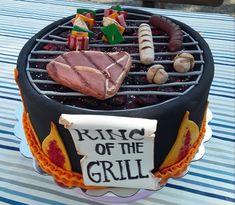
x: 136, y: 90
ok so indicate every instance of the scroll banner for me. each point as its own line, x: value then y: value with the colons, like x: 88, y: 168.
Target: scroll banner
x: 118, y: 151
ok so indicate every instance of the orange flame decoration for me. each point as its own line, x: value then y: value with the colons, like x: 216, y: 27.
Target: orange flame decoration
x: 54, y: 148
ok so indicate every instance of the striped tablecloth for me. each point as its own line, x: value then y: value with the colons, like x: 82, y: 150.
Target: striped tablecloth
x: 209, y: 181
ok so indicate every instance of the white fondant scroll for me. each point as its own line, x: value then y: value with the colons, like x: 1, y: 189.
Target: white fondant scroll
x: 118, y: 151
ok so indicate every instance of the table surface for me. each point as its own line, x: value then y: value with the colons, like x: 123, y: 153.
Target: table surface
x: 209, y: 181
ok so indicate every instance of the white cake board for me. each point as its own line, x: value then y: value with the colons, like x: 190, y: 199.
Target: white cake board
x: 108, y: 195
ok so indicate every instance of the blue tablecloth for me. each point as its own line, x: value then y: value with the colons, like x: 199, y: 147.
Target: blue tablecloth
x: 209, y: 181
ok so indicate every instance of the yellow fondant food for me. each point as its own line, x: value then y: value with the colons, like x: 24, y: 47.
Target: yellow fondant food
x: 79, y: 34
x: 113, y: 15
x: 187, y: 135
x: 89, y: 21
x: 54, y: 148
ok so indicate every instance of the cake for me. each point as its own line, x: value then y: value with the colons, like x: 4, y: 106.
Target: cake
x: 136, y: 134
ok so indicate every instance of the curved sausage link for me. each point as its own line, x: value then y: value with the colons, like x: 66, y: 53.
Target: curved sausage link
x: 172, y: 29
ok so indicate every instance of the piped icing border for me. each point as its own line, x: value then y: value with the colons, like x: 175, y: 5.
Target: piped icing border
x: 178, y: 168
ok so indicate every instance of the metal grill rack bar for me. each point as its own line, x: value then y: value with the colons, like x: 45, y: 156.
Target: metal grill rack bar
x: 109, y: 45
x: 133, y: 61
x: 126, y: 37
x: 41, y: 52
x: 52, y: 38
x: 130, y: 86
x: 77, y: 94
x: 193, y: 73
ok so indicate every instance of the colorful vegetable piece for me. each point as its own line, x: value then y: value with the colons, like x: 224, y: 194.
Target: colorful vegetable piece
x: 107, y: 21
x: 117, y: 8
x: 112, y: 33
x: 79, y: 22
x: 79, y: 29
x: 108, y: 12
x: 89, y: 21
x: 113, y: 15
x: 85, y: 11
x: 79, y: 34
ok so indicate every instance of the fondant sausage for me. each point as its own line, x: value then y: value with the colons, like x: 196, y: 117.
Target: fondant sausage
x: 173, y: 30
x: 146, y: 47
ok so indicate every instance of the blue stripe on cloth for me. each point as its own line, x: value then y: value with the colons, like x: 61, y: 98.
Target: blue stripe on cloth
x: 4, y: 61
x: 7, y: 82
x: 9, y: 140
x: 219, y: 63
x: 31, y: 17
x: 199, y: 183
x: 224, y: 114
x: 9, y: 59
x: 220, y: 95
x: 17, y: 31
x: 9, y: 147
x: 7, y: 54
x: 6, y: 132
x: 222, y: 125
x: 211, y: 177
x: 24, y: 12
x: 223, y: 120
x: 10, y: 201
x: 225, y: 78
x: 222, y: 86
x: 10, y: 98
x: 10, y: 78
x: 35, y: 198
x: 223, y: 138
x: 203, y: 193
x: 211, y: 170
x: 5, y: 92
x: 218, y: 38
x: 2, y: 86
x: 6, y: 124
x: 226, y: 91
x: 9, y: 117
x: 226, y: 58
x: 15, y: 36
x: 221, y: 83
x: 232, y: 32
x: 224, y: 132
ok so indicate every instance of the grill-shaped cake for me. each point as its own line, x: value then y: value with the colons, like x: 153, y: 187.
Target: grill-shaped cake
x: 178, y: 104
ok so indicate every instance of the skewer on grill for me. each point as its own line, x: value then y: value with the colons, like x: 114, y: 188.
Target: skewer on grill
x: 63, y: 41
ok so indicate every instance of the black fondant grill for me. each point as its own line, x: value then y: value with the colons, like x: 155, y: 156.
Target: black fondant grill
x: 54, y: 43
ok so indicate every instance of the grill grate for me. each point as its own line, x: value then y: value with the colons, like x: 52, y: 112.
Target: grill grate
x: 39, y: 57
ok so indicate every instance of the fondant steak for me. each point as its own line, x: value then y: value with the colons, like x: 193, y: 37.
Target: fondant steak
x: 93, y: 73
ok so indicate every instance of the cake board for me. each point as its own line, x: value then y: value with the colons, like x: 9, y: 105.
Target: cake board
x: 108, y: 195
